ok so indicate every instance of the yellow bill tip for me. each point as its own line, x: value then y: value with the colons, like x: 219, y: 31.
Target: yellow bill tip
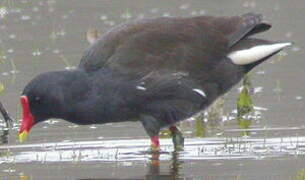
x: 23, y: 136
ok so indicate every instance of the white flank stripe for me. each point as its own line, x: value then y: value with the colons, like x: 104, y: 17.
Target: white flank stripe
x: 247, y: 56
x: 199, y: 91
x: 141, y: 88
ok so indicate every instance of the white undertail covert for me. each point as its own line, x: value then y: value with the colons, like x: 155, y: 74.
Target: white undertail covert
x: 256, y: 53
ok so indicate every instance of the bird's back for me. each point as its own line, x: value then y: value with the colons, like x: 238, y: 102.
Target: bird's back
x: 177, y: 66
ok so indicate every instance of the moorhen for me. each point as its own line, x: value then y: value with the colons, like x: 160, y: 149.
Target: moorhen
x: 156, y: 71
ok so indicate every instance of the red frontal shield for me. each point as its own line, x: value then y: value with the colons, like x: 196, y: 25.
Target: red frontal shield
x: 27, y: 117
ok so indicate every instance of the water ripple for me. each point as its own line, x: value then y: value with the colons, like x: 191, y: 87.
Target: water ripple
x: 137, y: 150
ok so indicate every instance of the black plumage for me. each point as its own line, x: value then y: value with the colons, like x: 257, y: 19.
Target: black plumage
x: 158, y: 71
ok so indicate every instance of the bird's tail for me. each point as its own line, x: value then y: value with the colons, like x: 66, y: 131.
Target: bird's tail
x: 254, y: 51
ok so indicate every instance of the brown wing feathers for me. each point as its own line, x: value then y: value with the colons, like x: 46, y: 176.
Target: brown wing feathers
x: 243, y: 26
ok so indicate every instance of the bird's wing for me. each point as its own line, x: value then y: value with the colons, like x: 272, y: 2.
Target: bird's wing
x: 194, y: 44
x: 237, y: 27
x: 169, y: 97
x: 163, y: 43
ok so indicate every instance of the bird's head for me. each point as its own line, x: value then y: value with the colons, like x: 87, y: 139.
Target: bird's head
x: 42, y: 99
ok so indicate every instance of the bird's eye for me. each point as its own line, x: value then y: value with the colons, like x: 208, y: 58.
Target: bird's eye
x: 37, y: 98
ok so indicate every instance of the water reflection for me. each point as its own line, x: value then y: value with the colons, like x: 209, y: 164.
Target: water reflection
x: 4, y: 140
x: 154, y: 170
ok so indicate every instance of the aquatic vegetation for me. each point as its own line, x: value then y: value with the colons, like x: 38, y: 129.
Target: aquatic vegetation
x: 298, y: 97
x: 200, y: 128
x: 7, y: 3
x: 166, y: 14
x: 24, y: 177
x: 3, y: 56
x: 154, y: 10
x: 244, y: 105
x: 300, y: 175
x: 281, y: 55
x: 249, y: 4
x: 36, y: 52
x: 14, y: 71
x: 66, y: 62
x: 278, y: 89
x: 56, y: 33
x: 103, y: 17
x: 126, y: 15
x: 92, y: 35
x: 184, y: 6
x: 12, y: 36
x: 25, y: 17
x: 215, y: 113
x: 194, y: 13
x: 109, y: 23
x: 1, y: 87
x: 3, y: 12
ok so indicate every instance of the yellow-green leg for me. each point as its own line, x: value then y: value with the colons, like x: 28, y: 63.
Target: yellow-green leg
x: 177, y: 137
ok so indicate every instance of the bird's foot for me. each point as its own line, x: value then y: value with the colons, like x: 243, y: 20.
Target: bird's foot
x: 177, y: 137
x: 155, y: 144
x: 154, y: 148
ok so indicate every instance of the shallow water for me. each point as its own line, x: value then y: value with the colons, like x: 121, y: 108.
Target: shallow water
x: 43, y: 35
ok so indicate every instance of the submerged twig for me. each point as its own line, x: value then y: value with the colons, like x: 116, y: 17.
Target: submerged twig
x: 7, y: 118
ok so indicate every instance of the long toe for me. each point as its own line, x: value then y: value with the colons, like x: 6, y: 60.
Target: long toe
x: 154, y: 148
